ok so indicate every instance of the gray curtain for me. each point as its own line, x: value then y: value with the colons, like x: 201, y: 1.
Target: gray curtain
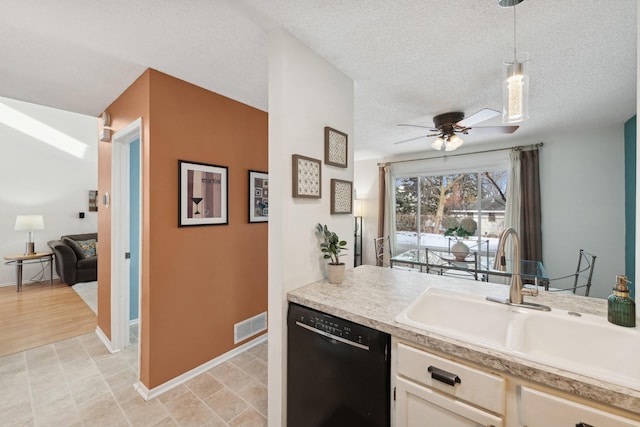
x: 531, y: 216
x: 381, y: 204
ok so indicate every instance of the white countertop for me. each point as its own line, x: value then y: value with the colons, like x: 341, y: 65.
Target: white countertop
x: 374, y: 296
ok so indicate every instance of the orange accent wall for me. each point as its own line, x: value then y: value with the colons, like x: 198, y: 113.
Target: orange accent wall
x: 197, y: 282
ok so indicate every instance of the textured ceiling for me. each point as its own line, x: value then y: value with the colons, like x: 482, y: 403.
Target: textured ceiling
x: 410, y: 59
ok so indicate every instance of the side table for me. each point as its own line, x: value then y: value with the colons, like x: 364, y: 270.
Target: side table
x: 20, y: 260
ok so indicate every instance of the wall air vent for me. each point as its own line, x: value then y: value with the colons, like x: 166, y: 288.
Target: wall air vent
x: 247, y: 328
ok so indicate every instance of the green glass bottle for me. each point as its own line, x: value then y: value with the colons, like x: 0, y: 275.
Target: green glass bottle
x: 622, y: 308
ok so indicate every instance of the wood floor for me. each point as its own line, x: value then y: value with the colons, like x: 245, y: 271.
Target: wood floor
x: 41, y: 314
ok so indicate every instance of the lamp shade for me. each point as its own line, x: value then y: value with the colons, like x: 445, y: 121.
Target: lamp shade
x: 357, y: 207
x: 438, y: 144
x: 29, y: 222
x: 453, y: 142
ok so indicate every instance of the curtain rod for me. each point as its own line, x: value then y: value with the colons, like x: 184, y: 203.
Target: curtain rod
x: 444, y: 156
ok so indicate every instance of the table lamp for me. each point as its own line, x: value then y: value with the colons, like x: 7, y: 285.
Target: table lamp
x: 29, y: 223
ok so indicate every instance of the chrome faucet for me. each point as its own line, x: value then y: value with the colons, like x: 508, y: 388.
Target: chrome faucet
x: 516, y: 290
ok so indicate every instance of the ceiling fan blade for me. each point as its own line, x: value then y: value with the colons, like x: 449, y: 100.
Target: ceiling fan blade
x: 419, y: 126
x: 492, y: 129
x: 410, y: 139
x: 480, y: 116
x: 417, y: 137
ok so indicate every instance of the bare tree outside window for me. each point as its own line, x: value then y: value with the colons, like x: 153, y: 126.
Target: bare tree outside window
x: 423, y: 201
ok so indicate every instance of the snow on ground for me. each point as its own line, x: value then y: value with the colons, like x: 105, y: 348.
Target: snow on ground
x: 409, y: 239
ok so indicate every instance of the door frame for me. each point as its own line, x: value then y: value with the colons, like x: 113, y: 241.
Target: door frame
x: 120, y: 234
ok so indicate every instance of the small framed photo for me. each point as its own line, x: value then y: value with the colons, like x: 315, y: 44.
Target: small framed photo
x: 307, y: 177
x: 335, y: 147
x: 93, y: 200
x: 203, y: 196
x: 258, y: 196
x: 341, y: 196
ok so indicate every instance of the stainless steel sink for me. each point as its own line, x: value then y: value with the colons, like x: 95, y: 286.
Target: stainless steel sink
x: 580, y: 343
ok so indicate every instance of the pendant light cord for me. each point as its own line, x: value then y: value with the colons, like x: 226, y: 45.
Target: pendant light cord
x: 515, y: 57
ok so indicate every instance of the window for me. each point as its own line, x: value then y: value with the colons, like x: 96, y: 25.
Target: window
x: 422, y: 201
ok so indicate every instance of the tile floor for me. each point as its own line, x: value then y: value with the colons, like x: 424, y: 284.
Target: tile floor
x: 77, y: 382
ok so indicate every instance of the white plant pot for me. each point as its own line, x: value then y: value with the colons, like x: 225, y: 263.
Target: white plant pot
x: 335, y: 273
x: 460, y: 251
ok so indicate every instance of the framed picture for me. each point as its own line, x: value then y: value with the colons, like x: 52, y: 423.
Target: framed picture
x: 93, y: 200
x: 258, y: 196
x: 335, y: 147
x: 307, y: 177
x: 203, y: 197
x: 341, y: 196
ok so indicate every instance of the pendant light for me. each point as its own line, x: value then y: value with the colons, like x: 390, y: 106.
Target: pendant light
x: 515, y: 85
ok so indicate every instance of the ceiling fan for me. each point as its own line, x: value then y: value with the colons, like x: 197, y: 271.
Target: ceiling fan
x: 447, y: 125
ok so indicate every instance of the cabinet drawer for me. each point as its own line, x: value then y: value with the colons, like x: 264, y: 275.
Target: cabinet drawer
x: 562, y: 412
x: 477, y: 387
x: 419, y: 406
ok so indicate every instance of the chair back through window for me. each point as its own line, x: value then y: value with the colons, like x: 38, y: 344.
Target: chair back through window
x: 581, y: 278
x: 382, y: 247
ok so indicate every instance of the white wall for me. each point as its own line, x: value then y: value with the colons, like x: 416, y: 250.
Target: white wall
x: 366, y: 185
x: 306, y: 93
x: 582, y: 192
x: 582, y: 186
x: 38, y: 178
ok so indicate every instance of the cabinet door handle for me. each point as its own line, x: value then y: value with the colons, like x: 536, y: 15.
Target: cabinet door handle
x: 444, y: 376
x: 581, y: 424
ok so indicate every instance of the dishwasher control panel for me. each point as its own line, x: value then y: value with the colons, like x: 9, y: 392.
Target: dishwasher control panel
x: 335, y: 326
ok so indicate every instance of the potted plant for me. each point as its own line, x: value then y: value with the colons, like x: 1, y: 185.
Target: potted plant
x: 331, y: 246
x: 459, y: 229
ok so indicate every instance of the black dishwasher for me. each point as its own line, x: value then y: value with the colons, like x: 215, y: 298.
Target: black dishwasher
x: 338, y: 372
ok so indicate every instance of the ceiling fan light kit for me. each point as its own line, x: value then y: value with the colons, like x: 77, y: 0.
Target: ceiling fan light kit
x: 448, y: 125
x: 451, y: 143
x: 515, y: 79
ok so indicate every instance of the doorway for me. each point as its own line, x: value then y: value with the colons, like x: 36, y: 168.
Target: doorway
x: 125, y: 234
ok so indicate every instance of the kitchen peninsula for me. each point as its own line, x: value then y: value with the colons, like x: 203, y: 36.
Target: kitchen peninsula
x: 374, y: 296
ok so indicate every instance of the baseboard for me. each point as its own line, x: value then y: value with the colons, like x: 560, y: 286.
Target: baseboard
x: 163, y: 388
x: 106, y: 341
x: 56, y: 280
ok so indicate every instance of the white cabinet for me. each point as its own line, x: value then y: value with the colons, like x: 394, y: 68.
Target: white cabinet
x: 562, y: 412
x: 434, y: 391
x: 418, y: 406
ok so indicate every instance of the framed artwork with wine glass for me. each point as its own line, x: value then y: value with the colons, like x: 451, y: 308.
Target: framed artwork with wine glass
x: 203, y: 194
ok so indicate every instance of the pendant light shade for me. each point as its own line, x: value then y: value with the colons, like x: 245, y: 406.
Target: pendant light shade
x: 515, y: 89
x: 515, y: 78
